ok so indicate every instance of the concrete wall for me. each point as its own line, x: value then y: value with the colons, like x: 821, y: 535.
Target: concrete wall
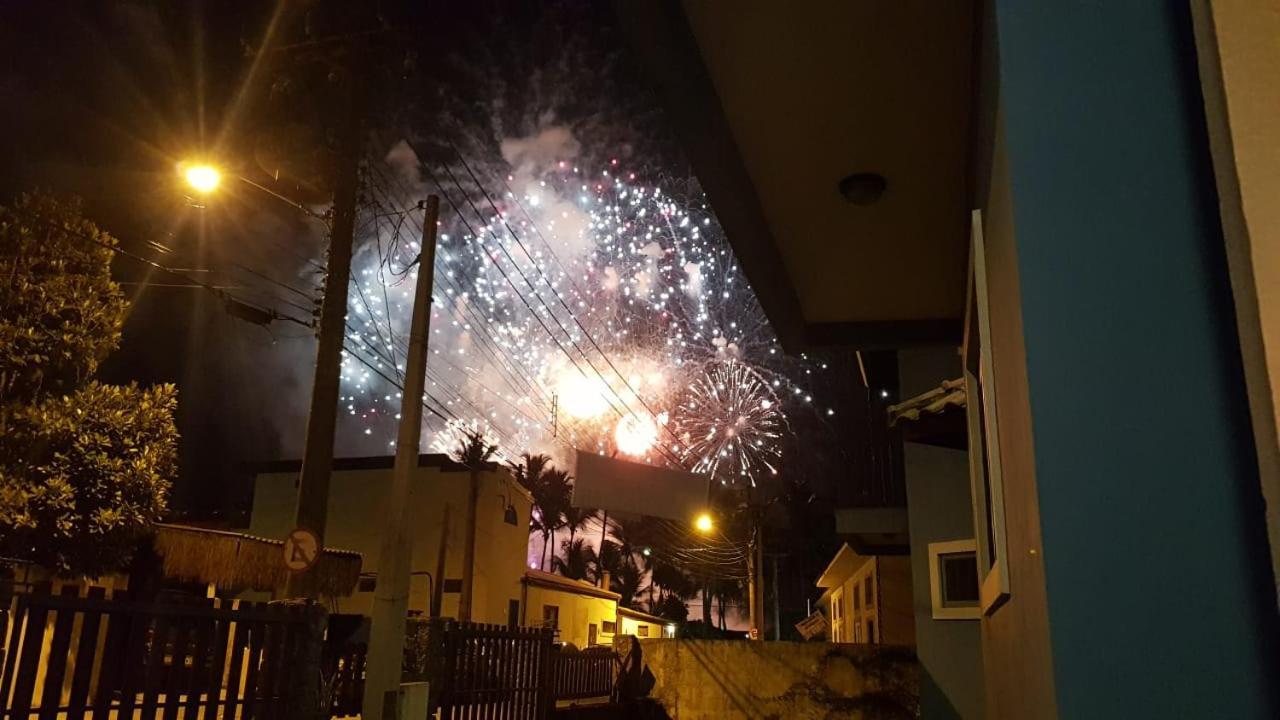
x: 697, y: 679
x: 356, y: 500
x: 950, y: 651
x: 1144, y: 466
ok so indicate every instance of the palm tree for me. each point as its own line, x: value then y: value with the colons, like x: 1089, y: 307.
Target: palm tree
x: 576, y: 518
x: 576, y: 563
x: 550, y: 490
x: 475, y: 452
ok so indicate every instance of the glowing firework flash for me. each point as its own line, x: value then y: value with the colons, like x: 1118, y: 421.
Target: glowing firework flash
x: 571, y: 310
x: 731, y: 422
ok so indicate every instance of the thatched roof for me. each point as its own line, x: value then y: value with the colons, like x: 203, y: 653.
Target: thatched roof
x: 236, y: 562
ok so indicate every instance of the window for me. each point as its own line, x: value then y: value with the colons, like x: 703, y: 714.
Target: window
x: 592, y: 632
x: 837, y: 616
x: 608, y: 627
x: 513, y: 613
x: 551, y: 616
x: 367, y: 584
x: 871, y: 631
x: 985, y: 478
x: 953, y: 580
x: 857, y: 600
x: 868, y: 595
x: 642, y: 630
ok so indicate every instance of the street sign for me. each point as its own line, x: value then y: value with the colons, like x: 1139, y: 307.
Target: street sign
x: 813, y: 626
x: 301, y: 550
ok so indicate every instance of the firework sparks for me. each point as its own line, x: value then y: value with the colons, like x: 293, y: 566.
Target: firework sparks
x: 581, y: 310
x: 731, y: 422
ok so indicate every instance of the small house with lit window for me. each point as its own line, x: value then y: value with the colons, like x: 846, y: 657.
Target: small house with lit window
x: 583, y: 614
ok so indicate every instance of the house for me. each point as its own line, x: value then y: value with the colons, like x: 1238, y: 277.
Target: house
x: 867, y: 598
x: 1077, y: 200
x: 584, y: 615
x: 438, y: 503
x: 931, y: 425
x: 642, y: 624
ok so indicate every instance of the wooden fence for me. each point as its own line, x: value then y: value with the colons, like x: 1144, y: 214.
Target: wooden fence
x: 69, y: 657
x: 592, y: 673
x: 489, y: 671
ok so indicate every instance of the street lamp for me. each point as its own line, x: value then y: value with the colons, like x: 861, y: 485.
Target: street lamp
x: 205, y: 179
x: 201, y: 177
x: 703, y: 523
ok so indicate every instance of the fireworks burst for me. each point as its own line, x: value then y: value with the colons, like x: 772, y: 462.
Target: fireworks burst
x: 571, y: 309
x: 731, y: 422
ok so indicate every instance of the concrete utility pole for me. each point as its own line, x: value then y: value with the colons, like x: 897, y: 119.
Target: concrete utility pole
x: 391, y: 595
x: 317, y: 456
x: 755, y: 574
x: 777, y: 599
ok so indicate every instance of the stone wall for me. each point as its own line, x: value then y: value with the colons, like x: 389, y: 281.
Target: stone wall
x: 694, y: 679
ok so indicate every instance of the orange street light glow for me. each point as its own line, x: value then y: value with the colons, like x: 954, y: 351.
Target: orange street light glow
x: 203, y: 179
x: 703, y: 523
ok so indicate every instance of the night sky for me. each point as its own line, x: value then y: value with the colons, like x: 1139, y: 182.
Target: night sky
x: 102, y: 99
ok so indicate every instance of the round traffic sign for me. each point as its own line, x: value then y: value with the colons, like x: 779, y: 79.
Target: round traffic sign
x: 301, y: 550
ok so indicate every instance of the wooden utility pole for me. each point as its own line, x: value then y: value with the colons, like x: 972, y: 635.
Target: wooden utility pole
x: 391, y: 595
x: 317, y: 455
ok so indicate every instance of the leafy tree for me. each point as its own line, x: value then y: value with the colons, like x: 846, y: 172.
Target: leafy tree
x: 84, y: 467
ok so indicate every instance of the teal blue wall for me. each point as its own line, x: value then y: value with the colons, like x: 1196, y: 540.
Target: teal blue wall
x: 1159, y: 593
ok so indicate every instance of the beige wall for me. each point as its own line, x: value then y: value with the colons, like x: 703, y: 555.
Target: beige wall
x: 356, y: 499
x: 577, y: 613
x: 1015, y: 637
x: 1239, y: 44
x: 891, y: 606
x: 731, y: 679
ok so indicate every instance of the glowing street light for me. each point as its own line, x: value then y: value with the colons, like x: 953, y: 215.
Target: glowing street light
x: 201, y: 177
x: 703, y: 523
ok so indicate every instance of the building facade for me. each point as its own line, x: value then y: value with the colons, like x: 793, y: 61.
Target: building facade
x: 438, y: 505
x: 1073, y: 195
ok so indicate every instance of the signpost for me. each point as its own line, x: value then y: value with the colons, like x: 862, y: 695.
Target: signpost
x: 301, y: 550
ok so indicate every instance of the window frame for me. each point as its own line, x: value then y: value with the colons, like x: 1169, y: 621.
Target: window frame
x: 986, y: 480
x: 940, y: 610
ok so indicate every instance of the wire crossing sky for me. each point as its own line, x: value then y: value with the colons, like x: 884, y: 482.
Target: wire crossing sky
x: 574, y: 307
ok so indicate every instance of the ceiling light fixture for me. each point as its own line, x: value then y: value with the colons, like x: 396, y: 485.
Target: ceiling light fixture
x: 863, y: 188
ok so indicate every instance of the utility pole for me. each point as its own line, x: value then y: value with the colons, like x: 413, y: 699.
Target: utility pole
x: 317, y: 455
x: 777, y: 599
x: 755, y: 573
x: 391, y: 595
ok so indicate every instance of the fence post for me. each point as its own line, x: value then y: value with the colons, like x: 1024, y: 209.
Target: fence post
x: 302, y: 691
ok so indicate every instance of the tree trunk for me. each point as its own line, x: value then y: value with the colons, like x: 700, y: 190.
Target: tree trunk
x: 469, y: 558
